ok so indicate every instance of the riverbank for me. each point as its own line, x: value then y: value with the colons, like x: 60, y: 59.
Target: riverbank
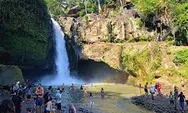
x: 160, y: 104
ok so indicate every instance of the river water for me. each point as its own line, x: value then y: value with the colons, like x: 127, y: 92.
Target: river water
x: 115, y: 101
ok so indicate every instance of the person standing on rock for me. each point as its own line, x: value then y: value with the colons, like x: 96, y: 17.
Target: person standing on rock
x: 58, y: 101
x: 175, y: 97
x: 152, y: 91
x: 17, y: 100
x: 181, y: 97
x: 146, y: 88
x: 171, y: 97
x: 39, y: 101
x: 182, y: 85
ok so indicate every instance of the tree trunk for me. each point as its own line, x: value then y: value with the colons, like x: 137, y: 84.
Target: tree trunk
x: 99, y: 7
x: 85, y: 4
x: 121, y: 3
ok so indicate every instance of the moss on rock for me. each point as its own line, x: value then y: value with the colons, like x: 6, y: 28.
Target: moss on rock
x: 25, y: 27
x: 10, y: 74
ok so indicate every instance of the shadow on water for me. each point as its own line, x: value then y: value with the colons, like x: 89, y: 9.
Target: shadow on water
x: 92, y: 71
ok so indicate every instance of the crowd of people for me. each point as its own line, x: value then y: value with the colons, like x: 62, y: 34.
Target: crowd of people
x: 174, y: 95
x: 39, y: 99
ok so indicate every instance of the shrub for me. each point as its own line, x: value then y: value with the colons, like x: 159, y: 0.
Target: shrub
x: 181, y: 57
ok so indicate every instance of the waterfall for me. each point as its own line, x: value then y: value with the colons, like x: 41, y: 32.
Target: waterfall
x: 61, y: 61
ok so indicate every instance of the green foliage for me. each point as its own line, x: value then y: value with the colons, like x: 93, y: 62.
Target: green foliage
x: 115, y: 13
x: 139, y: 22
x: 178, y: 11
x: 143, y: 62
x: 180, y: 19
x: 54, y: 6
x: 181, y: 57
x: 148, y: 7
x: 25, y: 27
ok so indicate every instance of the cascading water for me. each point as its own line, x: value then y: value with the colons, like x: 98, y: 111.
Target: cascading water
x: 62, y: 62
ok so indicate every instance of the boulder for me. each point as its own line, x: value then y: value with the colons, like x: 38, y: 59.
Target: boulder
x: 10, y: 74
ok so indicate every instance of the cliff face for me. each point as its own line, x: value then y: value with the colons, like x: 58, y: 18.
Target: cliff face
x: 99, y: 38
x: 25, y: 29
x: 120, y: 43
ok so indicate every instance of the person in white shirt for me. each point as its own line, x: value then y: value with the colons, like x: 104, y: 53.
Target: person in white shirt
x: 152, y: 91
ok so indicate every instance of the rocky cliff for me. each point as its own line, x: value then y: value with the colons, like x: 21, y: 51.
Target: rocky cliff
x: 121, y: 43
x: 25, y: 34
x: 99, y: 38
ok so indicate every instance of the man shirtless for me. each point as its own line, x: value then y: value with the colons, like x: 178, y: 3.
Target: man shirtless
x: 39, y: 102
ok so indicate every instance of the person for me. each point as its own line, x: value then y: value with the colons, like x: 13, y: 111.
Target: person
x: 81, y: 87
x: 58, y: 101
x: 29, y: 105
x: 181, y: 97
x: 72, y: 109
x: 146, y: 88
x: 16, y: 87
x: 91, y: 101
x: 102, y: 93
x: 17, y: 100
x: 7, y: 106
x: 39, y: 101
x: 49, y: 105
x: 50, y: 90
x: 29, y: 91
x: 62, y: 88
x: 182, y: 85
x: 175, y: 97
x: 152, y: 92
x: 85, y: 92
x: 159, y: 88
x: 171, y: 97
x: 72, y: 87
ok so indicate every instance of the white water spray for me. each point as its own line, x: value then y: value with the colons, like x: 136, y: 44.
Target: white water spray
x: 62, y: 62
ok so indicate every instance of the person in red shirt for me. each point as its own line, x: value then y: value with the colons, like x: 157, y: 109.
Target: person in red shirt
x: 159, y: 88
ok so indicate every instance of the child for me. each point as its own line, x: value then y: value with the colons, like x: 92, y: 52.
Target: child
x: 49, y: 105
x: 102, y: 93
x: 171, y: 97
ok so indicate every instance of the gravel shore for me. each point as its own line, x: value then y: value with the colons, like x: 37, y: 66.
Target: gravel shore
x: 160, y: 104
